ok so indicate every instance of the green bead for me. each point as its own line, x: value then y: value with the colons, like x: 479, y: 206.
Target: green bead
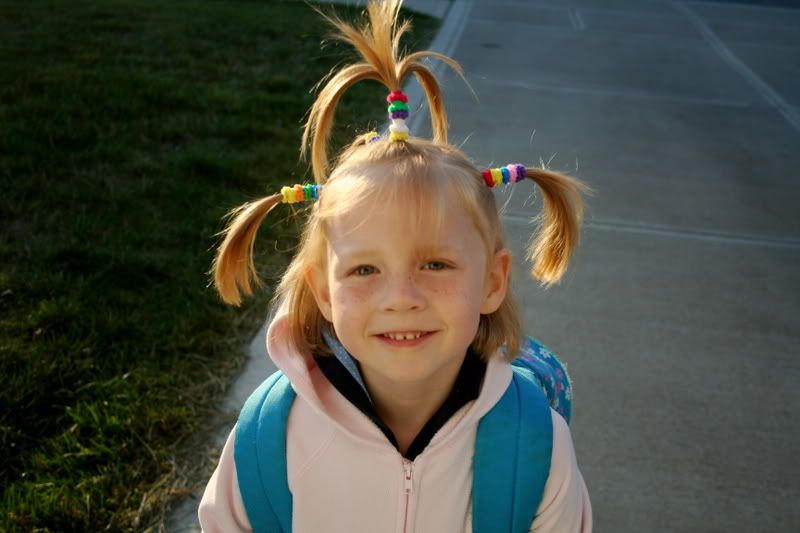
x: 398, y: 105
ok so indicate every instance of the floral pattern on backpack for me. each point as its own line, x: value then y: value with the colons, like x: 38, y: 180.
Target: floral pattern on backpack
x: 550, y: 372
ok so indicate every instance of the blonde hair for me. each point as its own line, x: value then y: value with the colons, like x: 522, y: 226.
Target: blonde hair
x: 372, y: 173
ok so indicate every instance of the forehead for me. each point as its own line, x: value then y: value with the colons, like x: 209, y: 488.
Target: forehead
x: 412, y: 224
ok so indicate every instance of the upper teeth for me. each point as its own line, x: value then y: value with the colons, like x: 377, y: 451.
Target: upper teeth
x: 403, y: 336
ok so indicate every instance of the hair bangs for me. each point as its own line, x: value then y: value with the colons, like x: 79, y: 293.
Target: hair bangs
x: 367, y: 186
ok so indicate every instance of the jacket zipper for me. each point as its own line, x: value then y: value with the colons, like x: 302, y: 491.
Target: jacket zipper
x: 408, y: 484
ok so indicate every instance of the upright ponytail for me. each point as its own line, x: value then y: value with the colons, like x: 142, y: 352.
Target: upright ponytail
x: 378, y: 43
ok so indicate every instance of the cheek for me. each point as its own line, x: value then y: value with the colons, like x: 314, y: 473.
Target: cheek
x: 459, y: 301
x: 350, y: 300
x: 460, y: 290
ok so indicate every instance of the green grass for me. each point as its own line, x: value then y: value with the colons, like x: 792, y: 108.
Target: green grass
x: 129, y: 128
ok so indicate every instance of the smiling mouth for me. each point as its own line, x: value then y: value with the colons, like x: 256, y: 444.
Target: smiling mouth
x: 404, y: 335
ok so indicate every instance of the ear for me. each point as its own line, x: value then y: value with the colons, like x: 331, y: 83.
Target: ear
x: 496, y: 283
x: 317, y: 280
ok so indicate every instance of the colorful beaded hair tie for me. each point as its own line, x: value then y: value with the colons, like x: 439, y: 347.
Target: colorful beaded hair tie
x: 373, y: 136
x: 398, y: 112
x: 300, y: 193
x: 512, y: 173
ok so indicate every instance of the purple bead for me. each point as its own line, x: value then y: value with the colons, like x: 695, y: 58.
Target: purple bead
x: 399, y: 114
x: 520, y: 173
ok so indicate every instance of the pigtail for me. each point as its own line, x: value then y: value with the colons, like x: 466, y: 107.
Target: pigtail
x: 233, y: 268
x: 378, y: 44
x: 560, y: 220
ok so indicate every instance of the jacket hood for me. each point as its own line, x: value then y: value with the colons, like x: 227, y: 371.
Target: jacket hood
x: 314, y: 388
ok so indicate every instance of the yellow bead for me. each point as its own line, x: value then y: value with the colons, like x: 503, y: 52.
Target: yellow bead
x: 398, y: 136
x: 497, y: 176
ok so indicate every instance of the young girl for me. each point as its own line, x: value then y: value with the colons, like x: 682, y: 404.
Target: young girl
x: 395, y: 328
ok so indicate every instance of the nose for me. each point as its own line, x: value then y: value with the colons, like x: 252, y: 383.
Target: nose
x: 401, y: 293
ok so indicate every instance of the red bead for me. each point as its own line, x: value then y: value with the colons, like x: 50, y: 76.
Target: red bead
x: 487, y: 177
x: 396, y: 95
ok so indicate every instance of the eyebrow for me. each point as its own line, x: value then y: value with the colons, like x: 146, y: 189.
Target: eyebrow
x: 421, y: 250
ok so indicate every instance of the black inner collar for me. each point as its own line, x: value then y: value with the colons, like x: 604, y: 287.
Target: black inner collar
x: 466, y: 388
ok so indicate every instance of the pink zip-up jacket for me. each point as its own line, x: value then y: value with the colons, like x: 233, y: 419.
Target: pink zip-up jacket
x: 345, y: 476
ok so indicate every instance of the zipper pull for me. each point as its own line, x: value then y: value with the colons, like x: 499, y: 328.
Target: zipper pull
x: 408, y: 479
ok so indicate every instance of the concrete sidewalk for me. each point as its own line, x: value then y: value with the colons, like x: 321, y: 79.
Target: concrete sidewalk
x: 679, y: 316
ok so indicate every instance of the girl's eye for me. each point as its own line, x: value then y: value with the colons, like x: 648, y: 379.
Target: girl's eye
x: 436, y: 265
x: 363, y: 270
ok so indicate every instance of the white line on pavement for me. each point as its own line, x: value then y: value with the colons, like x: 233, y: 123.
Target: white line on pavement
x: 670, y: 231
x: 739, y: 66
x: 577, y: 19
x: 445, y: 43
x: 528, y: 85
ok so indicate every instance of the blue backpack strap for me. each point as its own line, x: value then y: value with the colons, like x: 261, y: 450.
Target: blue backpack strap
x: 260, y: 455
x: 511, y: 464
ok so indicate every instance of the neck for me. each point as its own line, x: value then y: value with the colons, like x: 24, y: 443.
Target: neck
x: 407, y: 406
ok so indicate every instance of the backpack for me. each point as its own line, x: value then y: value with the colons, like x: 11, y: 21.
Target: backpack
x: 511, y: 462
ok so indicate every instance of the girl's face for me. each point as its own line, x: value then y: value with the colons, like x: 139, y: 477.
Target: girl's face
x: 405, y: 304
